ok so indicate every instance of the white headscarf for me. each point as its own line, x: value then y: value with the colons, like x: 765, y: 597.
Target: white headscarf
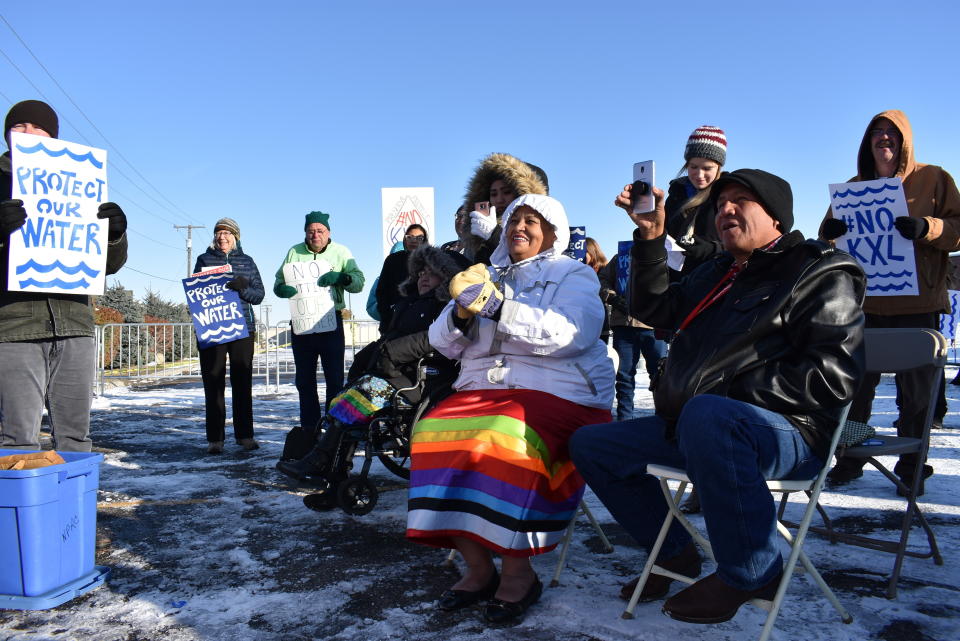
x: 551, y: 210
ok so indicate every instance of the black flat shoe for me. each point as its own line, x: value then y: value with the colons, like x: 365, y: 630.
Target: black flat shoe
x: 452, y: 600
x: 322, y: 501
x: 498, y: 611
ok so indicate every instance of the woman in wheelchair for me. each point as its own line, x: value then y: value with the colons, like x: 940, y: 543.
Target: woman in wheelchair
x: 379, y: 370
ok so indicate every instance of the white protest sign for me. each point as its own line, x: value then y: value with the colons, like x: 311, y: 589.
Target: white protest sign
x: 311, y: 309
x: 62, y: 248
x: 868, y: 209
x: 948, y: 322
x: 402, y: 207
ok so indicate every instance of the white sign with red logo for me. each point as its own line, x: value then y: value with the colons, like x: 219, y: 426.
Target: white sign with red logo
x: 402, y: 207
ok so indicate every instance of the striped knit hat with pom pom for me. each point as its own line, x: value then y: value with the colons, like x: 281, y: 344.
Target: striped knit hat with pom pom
x: 707, y: 142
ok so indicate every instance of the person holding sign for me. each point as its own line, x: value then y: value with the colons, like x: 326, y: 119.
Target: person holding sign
x: 342, y: 275
x: 47, y: 344
x: 496, y: 182
x: 490, y: 472
x: 768, y: 349
x: 225, y: 250
x: 933, y: 225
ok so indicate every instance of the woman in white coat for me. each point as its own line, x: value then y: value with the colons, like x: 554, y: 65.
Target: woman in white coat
x: 490, y: 470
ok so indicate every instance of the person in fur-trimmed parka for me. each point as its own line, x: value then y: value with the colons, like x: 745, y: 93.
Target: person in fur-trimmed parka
x: 499, y: 179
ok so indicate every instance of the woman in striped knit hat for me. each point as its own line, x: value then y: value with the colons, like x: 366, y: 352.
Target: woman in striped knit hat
x: 689, y: 215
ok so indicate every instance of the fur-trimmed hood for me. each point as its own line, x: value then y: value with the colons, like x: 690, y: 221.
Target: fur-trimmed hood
x: 523, y: 177
x: 440, y: 261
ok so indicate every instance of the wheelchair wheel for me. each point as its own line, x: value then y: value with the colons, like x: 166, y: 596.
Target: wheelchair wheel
x: 357, y: 496
x: 397, y: 461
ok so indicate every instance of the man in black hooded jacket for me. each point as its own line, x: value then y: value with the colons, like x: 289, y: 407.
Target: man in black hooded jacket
x: 767, y: 350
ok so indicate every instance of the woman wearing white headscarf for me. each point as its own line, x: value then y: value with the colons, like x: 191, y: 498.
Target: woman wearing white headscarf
x: 490, y: 470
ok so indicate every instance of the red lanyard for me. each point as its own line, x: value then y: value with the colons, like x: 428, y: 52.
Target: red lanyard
x: 715, y: 294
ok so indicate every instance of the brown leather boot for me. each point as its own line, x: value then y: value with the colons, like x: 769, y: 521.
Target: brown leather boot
x: 710, y: 600
x: 687, y: 563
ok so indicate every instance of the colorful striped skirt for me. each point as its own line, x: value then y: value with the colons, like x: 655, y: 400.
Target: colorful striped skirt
x: 493, y: 466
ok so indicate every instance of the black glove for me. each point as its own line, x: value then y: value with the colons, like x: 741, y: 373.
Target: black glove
x: 239, y: 283
x: 12, y: 216
x: 833, y: 228
x: 911, y: 228
x: 698, y: 250
x: 117, y: 220
x: 615, y: 301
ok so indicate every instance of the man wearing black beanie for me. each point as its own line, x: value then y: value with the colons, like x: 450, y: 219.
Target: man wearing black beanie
x: 767, y: 350
x: 47, y: 344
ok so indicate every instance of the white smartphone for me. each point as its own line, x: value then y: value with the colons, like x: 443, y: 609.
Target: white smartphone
x: 644, y: 172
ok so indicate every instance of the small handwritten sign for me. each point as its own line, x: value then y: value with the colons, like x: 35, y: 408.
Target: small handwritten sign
x: 311, y: 309
x: 216, y: 311
x: 402, y: 207
x: 948, y: 322
x: 868, y: 209
x: 623, y: 266
x: 577, y: 249
x: 62, y: 248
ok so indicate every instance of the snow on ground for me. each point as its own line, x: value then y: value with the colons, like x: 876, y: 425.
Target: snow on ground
x: 221, y: 547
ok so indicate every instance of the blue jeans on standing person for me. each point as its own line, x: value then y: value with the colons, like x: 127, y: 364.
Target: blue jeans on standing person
x: 630, y: 343
x: 307, y: 348
x: 729, y: 449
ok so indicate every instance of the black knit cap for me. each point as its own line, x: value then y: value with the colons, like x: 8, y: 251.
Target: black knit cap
x: 772, y: 191
x: 34, y: 112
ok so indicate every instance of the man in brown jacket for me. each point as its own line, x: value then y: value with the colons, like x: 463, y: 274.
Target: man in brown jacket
x: 934, y: 227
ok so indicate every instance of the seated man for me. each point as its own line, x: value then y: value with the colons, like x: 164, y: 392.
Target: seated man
x: 768, y: 348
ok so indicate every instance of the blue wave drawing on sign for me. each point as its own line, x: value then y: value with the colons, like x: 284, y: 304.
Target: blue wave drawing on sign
x: 867, y: 204
x: 903, y: 274
x: 56, y: 282
x: 43, y: 269
x: 887, y: 288
x: 866, y: 190
x: 220, y: 330
x: 227, y: 337
x: 56, y: 153
x: 203, y: 279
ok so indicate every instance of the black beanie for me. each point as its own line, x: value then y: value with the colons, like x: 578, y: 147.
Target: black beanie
x: 34, y: 112
x: 773, y: 192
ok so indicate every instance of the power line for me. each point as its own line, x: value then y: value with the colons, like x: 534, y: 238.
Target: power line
x: 169, y: 280
x: 87, y: 118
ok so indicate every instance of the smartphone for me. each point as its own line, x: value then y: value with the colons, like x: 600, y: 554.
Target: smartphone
x: 644, y: 172
x: 483, y: 208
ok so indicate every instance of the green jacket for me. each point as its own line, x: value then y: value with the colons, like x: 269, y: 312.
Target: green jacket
x: 26, y: 316
x: 340, y: 260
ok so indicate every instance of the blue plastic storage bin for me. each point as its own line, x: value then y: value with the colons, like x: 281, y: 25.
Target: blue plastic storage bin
x: 48, y: 531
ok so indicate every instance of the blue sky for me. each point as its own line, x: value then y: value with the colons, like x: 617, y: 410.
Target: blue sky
x: 265, y: 111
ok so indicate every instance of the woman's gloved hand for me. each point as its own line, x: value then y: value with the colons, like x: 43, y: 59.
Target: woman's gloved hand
x: 475, y: 293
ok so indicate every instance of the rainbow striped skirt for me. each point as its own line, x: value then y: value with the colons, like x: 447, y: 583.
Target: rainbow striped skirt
x: 493, y: 466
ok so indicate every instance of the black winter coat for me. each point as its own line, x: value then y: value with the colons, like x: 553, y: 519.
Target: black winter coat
x: 787, y: 337
x: 242, y: 265
x: 699, y: 224
x: 393, y: 273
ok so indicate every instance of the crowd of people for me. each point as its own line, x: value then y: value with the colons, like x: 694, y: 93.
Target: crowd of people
x: 751, y: 334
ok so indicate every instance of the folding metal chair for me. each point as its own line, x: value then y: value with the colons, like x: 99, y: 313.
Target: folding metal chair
x: 809, y: 487
x: 894, y: 351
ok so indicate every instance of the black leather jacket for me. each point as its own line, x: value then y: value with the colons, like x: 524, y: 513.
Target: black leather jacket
x: 787, y: 337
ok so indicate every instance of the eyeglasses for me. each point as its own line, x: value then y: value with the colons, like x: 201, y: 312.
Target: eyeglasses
x: 221, y: 233
x: 890, y: 131
x: 414, y: 237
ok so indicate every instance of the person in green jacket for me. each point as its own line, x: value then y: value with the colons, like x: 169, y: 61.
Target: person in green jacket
x: 328, y: 347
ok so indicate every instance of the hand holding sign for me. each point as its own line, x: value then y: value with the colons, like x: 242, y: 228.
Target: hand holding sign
x: 911, y: 228
x: 338, y: 279
x: 12, y: 216
x: 833, y: 228
x: 117, y: 220
x: 239, y: 284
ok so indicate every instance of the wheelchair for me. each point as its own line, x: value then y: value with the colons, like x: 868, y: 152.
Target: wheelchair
x: 386, y: 437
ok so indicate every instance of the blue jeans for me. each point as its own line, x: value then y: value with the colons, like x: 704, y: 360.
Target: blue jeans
x: 729, y: 448
x: 307, y: 348
x: 630, y: 343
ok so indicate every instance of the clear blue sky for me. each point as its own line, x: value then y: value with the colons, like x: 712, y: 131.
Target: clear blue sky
x: 265, y: 111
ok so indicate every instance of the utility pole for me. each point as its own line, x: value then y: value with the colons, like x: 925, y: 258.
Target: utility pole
x: 189, y: 229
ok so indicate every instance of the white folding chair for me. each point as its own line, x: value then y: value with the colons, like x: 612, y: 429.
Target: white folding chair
x: 568, y: 535
x: 811, y: 488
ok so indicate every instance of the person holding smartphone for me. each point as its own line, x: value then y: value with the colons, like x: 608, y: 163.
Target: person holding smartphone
x: 498, y: 180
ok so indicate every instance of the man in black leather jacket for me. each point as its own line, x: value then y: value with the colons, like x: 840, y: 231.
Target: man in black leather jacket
x: 768, y: 348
